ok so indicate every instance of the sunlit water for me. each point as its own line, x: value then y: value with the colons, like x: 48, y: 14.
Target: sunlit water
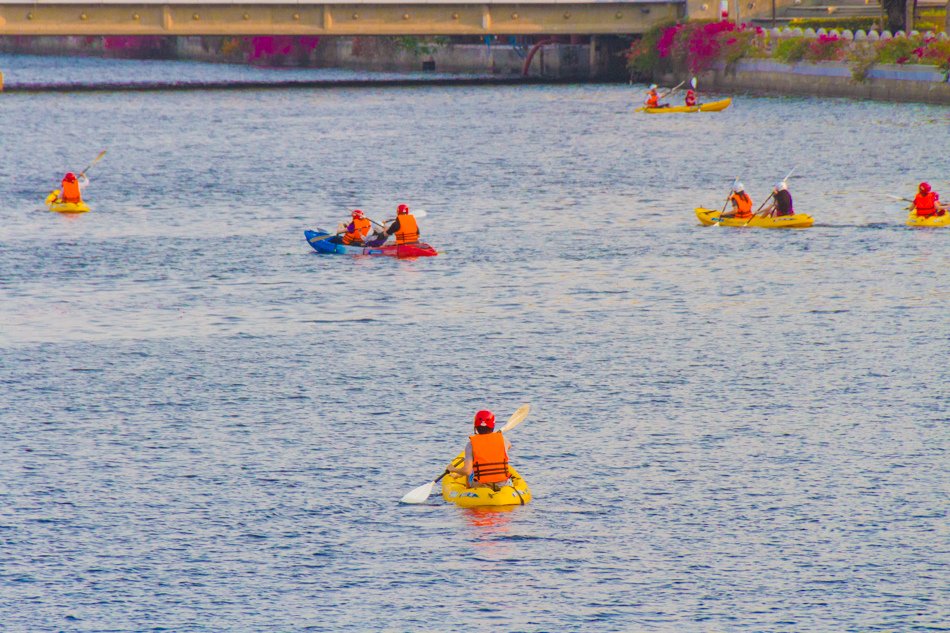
x: 207, y: 426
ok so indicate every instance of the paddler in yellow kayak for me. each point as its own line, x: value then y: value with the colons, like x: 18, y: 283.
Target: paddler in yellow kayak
x: 486, y: 455
x: 71, y: 188
x: 927, y: 202
x: 653, y: 98
x: 781, y: 202
x: 690, y: 100
x: 741, y: 203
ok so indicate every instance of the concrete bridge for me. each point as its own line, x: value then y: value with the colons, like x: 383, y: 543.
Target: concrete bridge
x: 352, y: 17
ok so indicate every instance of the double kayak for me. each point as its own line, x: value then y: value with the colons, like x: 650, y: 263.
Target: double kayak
x: 932, y: 220
x: 53, y: 204
x: 321, y: 243
x: 713, y: 106
x: 708, y: 217
x: 455, y: 491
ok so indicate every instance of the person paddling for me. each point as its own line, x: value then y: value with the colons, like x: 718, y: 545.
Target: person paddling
x: 653, y: 98
x: 781, y: 202
x: 486, y: 455
x: 404, y: 227
x: 690, y: 98
x: 927, y: 202
x: 71, y: 188
x: 356, y: 231
x: 741, y: 203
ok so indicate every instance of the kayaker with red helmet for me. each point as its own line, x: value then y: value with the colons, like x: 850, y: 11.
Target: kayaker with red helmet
x: 741, y: 203
x: 486, y: 455
x: 404, y: 227
x: 71, y: 188
x: 357, y: 230
x: 691, y: 99
x: 927, y: 202
x: 781, y: 202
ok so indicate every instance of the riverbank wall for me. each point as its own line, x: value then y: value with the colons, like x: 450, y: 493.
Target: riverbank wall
x: 886, y: 82
x: 554, y: 58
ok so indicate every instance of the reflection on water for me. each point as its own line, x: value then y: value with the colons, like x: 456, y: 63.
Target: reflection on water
x: 208, y: 426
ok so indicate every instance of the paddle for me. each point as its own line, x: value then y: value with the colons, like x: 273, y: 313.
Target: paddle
x: 94, y: 161
x: 672, y: 90
x: 420, y: 494
x: 910, y: 207
x: 718, y: 220
x: 419, y: 214
x: 787, y: 176
x: 326, y: 237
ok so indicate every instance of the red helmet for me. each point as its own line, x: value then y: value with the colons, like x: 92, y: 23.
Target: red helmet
x: 485, y: 419
x: 402, y: 209
x: 358, y: 214
x: 924, y: 187
x: 69, y: 177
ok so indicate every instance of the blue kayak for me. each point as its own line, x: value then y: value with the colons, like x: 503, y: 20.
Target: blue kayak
x: 321, y: 243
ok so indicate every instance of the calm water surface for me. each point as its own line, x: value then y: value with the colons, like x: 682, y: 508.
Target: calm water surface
x: 207, y: 426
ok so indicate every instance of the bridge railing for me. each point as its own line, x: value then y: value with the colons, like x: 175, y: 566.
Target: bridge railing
x: 356, y: 17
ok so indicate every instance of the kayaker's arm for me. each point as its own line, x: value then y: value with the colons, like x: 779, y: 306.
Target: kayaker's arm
x: 393, y: 227
x: 467, y: 465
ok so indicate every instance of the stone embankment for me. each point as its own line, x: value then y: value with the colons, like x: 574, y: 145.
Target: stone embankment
x: 910, y: 83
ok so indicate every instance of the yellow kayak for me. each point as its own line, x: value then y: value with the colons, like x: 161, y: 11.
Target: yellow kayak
x: 455, y: 491
x: 708, y: 217
x: 933, y: 220
x: 64, y: 207
x: 714, y: 106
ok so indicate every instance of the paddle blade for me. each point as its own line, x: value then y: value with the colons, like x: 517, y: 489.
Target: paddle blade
x: 517, y: 417
x: 420, y: 213
x: 419, y: 495
x: 692, y: 82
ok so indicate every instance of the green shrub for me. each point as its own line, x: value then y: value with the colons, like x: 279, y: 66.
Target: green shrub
x: 791, y: 50
x: 419, y: 46
x: 827, y: 48
x: 898, y: 50
x: 861, y: 59
x: 643, y: 57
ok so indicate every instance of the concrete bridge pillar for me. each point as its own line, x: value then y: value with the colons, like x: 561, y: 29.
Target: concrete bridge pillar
x: 593, y: 57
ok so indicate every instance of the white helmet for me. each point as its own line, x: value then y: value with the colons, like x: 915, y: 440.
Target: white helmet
x: 738, y: 187
x: 781, y: 186
x: 653, y: 86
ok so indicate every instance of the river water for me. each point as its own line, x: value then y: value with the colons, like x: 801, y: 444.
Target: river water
x: 207, y: 426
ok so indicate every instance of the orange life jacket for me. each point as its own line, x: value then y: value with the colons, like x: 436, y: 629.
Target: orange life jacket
x: 489, y: 458
x: 690, y: 98
x: 71, y: 191
x: 653, y: 100
x: 743, y: 205
x: 361, y: 227
x: 408, y: 232
x: 925, y: 205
